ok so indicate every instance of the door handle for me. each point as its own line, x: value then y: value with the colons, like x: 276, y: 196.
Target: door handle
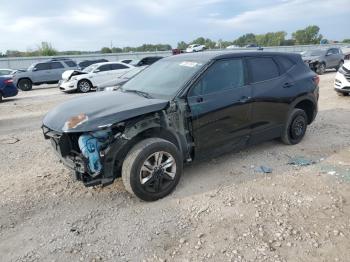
x: 288, y: 85
x: 244, y: 99
x: 199, y: 99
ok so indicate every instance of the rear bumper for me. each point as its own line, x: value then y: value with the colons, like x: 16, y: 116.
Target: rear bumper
x: 9, y: 91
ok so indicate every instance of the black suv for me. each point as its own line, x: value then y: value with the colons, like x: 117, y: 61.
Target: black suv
x: 182, y: 108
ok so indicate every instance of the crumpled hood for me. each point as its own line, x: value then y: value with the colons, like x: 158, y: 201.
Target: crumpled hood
x: 101, y: 109
x: 69, y: 73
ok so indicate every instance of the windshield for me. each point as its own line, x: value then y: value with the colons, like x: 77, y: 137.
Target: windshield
x: 90, y: 68
x: 313, y: 52
x: 164, y: 78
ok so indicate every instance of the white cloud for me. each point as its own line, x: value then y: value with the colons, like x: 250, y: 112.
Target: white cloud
x: 285, y: 12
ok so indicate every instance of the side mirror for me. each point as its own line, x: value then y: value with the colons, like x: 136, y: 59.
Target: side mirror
x: 97, y: 70
x: 328, y: 54
x: 35, y: 69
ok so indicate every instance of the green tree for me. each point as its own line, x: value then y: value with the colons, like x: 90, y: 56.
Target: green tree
x: 346, y: 40
x: 182, y: 45
x: 46, y: 49
x: 308, y: 35
x: 117, y: 50
x: 271, y: 38
x: 245, y: 39
x: 106, y: 50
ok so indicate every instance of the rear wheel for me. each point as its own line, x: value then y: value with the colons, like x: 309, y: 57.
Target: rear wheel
x: 295, y: 127
x: 321, y: 68
x: 152, y: 169
x: 25, y: 84
x: 84, y: 86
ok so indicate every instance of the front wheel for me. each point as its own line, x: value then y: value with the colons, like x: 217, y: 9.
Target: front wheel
x: 295, y: 127
x: 152, y: 169
x: 25, y: 84
x: 84, y: 86
x: 321, y: 69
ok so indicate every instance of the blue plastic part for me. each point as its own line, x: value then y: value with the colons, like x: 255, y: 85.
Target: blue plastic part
x: 90, y: 145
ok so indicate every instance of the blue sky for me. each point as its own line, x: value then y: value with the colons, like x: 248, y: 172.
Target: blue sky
x: 89, y: 25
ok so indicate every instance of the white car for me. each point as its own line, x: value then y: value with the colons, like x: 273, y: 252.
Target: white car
x: 342, y: 79
x: 195, y: 48
x: 6, y: 71
x: 92, y: 76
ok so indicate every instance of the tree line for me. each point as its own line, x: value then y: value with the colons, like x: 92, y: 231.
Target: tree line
x: 308, y: 35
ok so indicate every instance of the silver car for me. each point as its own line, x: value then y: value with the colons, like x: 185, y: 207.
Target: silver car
x: 47, y: 72
x: 321, y: 59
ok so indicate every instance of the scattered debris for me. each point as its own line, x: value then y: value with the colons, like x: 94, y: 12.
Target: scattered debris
x: 301, y: 161
x: 9, y: 141
x: 263, y: 169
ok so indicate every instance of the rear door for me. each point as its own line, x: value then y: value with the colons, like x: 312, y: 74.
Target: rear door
x: 42, y: 73
x: 57, y: 70
x: 101, y: 74
x: 332, y: 57
x: 220, y: 107
x: 118, y: 69
x: 271, y: 90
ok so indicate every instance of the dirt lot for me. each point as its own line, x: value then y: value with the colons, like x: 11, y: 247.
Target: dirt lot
x: 222, y: 210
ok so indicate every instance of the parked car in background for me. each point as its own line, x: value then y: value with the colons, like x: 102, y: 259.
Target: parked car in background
x: 342, y: 80
x: 126, y: 61
x: 7, y: 88
x: 176, y: 51
x: 6, y: 71
x: 86, y: 63
x: 195, y: 48
x: 183, y: 108
x: 115, y: 83
x: 232, y: 47
x: 47, y: 72
x: 146, y: 61
x: 93, y: 75
x: 321, y: 59
x: 254, y: 46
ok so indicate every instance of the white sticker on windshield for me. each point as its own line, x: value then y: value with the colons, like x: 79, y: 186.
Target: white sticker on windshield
x: 189, y: 64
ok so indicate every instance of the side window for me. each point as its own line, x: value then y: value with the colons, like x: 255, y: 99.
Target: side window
x: 285, y: 63
x: 118, y: 66
x: 42, y: 66
x: 56, y: 65
x: 335, y: 51
x: 70, y: 63
x: 222, y: 75
x: 103, y: 68
x: 262, y: 68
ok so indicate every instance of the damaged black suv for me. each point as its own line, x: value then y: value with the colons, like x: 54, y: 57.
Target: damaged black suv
x: 179, y: 109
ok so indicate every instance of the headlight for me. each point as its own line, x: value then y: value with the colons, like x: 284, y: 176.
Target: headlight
x: 75, y: 121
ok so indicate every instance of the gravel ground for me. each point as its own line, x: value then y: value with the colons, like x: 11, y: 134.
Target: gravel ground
x: 222, y: 210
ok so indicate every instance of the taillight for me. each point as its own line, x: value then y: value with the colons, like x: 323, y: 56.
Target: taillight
x: 316, y: 80
x: 8, y: 81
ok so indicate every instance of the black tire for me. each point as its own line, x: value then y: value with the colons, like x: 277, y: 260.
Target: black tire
x: 321, y: 68
x: 25, y: 84
x: 84, y: 86
x: 342, y: 94
x: 295, y: 127
x: 157, y: 184
x: 0, y: 97
x: 341, y: 63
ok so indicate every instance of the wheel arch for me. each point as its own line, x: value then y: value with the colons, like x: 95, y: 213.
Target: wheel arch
x: 308, y: 104
x: 148, y: 128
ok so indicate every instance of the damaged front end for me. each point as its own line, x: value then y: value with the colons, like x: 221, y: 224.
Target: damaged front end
x: 84, y: 153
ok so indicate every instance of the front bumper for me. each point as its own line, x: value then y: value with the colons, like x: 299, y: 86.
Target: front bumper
x: 67, y: 149
x: 342, y: 83
x: 67, y: 86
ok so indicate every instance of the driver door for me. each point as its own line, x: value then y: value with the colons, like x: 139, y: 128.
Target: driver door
x: 220, y: 107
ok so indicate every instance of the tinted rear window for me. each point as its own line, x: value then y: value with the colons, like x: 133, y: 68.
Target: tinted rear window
x: 285, y: 63
x: 262, y: 68
x: 70, y: 63
x: 118, y: 66
x: 43, y: 66
x: 55, y: 65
